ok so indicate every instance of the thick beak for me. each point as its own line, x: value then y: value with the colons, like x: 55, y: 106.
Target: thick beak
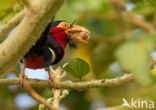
x: 78, y: 33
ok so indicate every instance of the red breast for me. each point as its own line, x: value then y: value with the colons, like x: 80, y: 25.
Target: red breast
x: 60, y: 36
x: 35, y: 62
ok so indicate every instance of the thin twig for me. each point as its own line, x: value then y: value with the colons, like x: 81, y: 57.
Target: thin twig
x: 56, y: 99
x: 27, y: 3
x: 35, y: 95
x: 11, y: 24
x: 75, y: 85
x: 135, y: 19
x: 56, y: 92
x: 140, y: 22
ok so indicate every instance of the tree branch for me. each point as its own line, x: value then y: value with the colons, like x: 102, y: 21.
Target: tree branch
x: 74, y: 85
x: 35, y: 95
x: 140, y: 22
x: 135, y: 19
x: 27, y: 3
x: 56, y: 92
x: 27, y: 32
x: 11, y: 24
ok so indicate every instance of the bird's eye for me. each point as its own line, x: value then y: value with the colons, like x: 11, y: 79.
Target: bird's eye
x: 64, y: 25
x: 70, y: 25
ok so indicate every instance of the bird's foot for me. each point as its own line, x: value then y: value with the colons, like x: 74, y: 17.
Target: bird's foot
x: 51, y: 80
x: 22, y: 78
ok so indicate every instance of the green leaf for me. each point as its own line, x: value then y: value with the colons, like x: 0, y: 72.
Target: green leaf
x: 143, y: 8
x: 77, y: 67
x: 8, y: 8
x: 7, y: 16
x: 151, y: 2
x: 135, y: 57
x: 5, y: 4
x: 41, y: 107
x: 2, y: 13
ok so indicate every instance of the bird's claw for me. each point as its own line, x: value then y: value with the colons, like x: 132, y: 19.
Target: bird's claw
x: 21, y: 78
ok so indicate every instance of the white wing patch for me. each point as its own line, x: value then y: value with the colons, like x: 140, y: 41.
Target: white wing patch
x: 53, y: 55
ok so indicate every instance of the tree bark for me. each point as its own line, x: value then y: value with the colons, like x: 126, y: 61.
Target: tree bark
x: 36, y: 17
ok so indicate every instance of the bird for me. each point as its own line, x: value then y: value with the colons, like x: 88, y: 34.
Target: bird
x: 49, y: 49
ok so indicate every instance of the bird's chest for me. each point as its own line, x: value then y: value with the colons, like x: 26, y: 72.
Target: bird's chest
x: 61, y: 39
x: 35, y: 62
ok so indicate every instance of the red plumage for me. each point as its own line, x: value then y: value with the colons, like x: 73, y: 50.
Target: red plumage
x: 49, y: 49
x: 52, y: 39
x: 60, y: 36
x: 35, y: 62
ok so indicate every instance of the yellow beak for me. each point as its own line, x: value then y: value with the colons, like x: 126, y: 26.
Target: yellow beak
x: 75, y: 32
x: 78, y: 33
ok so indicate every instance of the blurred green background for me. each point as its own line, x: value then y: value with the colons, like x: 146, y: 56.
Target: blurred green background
x: 117, y: 46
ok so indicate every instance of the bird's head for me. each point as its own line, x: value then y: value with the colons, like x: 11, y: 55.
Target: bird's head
x: 70, y: 31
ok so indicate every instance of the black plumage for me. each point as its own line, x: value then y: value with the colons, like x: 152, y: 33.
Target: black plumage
x: 44, y: 44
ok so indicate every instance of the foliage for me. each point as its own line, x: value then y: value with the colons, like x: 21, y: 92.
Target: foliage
x: 8, y: 9
x: 139, y: 49
x: 77, y: 67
